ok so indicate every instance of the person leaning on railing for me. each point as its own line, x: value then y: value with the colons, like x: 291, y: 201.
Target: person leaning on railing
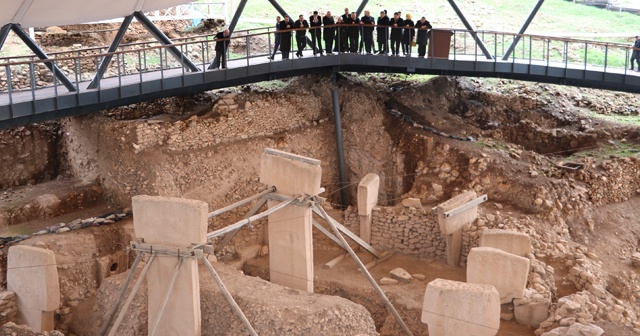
x: 422, y: 37
x: 396, y: 33
x: 383, y: 33
x: 276, y: 44
x: 368, y: 23
x: 315, y: 22
x: 329, y: 33
x: 408, y: 36
x: 354, y: 32
x: 222, y: 44
x: 285, y: 37
x: 343, y: 36
x: 301, y: 34
x: 635, y: 53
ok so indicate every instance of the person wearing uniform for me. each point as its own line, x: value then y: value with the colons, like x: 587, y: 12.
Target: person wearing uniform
x: 329, y: 33
x: 396, y: 34
x: 222, y: 44
x: 408, y: 36
x: 315, y: 22
x: 422, y: 39
x: 285, y: 37
x: 383, y: 33
x: 368, y: 24
x: 301, y: 34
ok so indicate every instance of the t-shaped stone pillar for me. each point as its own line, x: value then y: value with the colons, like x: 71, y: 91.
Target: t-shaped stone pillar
x: 290, y: 240
x: 452, y: 216
x: 177, y: 223
x: 367, y: 200
x: 33, y: 276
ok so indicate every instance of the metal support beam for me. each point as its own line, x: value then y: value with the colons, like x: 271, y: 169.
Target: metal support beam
x: 160, y: 36
x: 279, y: 8
x: 4, y: 32
x: 526, y: 24
x: 236, y: 15
x: 104, y: 63
x: 361, y: 7
x: 342, y: 170
x: 43, y: 56
x: 471, y: 29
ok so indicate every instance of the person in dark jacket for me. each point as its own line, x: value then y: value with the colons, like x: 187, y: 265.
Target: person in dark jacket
x: 222, y: 44
x: 285, y: 37
x: 422, y: 39
x: 344, y: 18
x: 301, y: 34
x: 396, y: 33
x: 315, y: 22
x: 635, y: 54
x: 354, y: 32
x: 408, y: 35
x: 343, y: 36
x: 329, y: 33
x: 383, y: 33
x: 276, y: 44
x: 368, y: 23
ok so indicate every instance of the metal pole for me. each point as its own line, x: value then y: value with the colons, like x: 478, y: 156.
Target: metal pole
x: 123, y: 291
x: 342, y: 171
x: 361, y: 7
x: 364, y: 270
x: 279, y: 8
x: 470, y: 27
x: 104, y: 63
x: 225, y: 292
x: 523, y: 29
x: 43, y: 56
x: 114, y: 329
x: 227, y: 238
x: 160, y: 36
x: 4, y: 32
x: 167, y: 295
x: 241, y: 202
x: 236, y: 16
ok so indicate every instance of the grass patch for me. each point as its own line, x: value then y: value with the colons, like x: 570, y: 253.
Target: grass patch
x: 619, y: 149
x: 621, y: 119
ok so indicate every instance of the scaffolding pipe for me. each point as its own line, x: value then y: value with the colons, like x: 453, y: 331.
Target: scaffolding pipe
x: 364, y: 269
x: 123, y: 291
x: 114, y: 329
x: 241, y: 202
x: 342, y: 170
x: 526, y: 24
x: 227, y: 238
x: 225, y: 292
x: 246, y: 221
x: 165, y: 300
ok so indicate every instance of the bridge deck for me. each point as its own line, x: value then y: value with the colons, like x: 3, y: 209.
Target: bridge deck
x: 22, y: 107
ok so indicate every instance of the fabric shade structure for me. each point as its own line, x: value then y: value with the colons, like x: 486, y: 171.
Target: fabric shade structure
x: 44, y: 13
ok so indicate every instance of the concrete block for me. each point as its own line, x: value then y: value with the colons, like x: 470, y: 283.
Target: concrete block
x: 291, y: 174
x: 509, y: 241
x: 291, y: 247
x: 33, y: 276
x: 453, y: 308
x: 449, y: 225
x: 504, y: 271
x: 172, y: 222
x: 169, y: 221
x: 368, y: 194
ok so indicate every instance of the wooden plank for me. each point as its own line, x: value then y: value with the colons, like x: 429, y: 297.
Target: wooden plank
x: 385, y: 255
x: 333, y: 262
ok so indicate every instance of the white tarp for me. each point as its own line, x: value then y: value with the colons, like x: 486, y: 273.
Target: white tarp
x: 44, y: 13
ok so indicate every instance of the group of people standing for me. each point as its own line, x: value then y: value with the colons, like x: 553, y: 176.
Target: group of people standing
x: 352, y: 34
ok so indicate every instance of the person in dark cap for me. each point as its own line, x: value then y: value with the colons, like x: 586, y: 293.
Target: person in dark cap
x: 383, y: 32
x: 635, y: 53
x: 422, y: 38
x: 301, y: 34
x: 315, y: 22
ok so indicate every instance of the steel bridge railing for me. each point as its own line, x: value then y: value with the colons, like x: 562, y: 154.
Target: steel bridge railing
x: 137, y: 62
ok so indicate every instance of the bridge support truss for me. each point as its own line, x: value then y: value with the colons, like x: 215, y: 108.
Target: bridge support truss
x: 471, y: 29
x: 526, y: 24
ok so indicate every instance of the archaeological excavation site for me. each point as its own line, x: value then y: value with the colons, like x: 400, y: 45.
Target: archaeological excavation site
x: 334, y: 195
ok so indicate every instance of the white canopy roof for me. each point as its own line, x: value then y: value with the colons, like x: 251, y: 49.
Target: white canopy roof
x: 44, y: 13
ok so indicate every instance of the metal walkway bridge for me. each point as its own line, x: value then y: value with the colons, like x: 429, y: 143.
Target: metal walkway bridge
x: 88, y: 80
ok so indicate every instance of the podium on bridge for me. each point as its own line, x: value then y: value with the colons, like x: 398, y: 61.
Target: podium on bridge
x: 440, y: 41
